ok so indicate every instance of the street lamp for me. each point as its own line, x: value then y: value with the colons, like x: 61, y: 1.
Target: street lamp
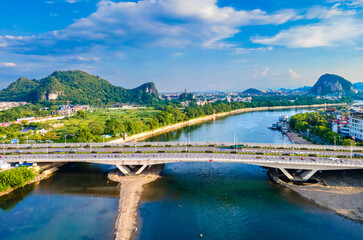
x: 335, y: 142
x: 4, y: 146
x: 90, y: 145
x: 65, y: 139
x: 293, y: 148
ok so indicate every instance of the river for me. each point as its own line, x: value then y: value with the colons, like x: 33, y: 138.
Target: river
x: 219, y: 200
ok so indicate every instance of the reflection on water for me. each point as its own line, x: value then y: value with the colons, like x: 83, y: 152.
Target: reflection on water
x: 248, y: 127
x: 76, y: 203
x: 232, y: 201
x: 9, y: 201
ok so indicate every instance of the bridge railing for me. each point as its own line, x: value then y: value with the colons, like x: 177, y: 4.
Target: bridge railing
x: 174, y: 143
x: 182, y: 157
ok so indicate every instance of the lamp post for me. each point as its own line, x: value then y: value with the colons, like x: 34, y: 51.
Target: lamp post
x: 90, y: 145
x: 4, y: 146
x: 65, y: 139
x: 103, y: 139
x: 351, y: 150
x: 335, y: 142
x: 293, y: 148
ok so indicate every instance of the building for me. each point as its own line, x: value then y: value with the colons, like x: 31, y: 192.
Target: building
x: 340, y: 126
x: 356, y: 126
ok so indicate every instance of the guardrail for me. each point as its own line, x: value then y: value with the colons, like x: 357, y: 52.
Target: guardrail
x: 177, y: 157
x: 137, y: 144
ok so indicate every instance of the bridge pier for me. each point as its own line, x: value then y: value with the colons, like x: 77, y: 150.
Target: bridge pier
x: 124, y: 169
x: 128, y: 169
x: 304, y: 176
x: 142, y: 168
x: 307, y: 174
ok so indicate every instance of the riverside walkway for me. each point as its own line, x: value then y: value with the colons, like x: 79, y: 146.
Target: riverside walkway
x: 297, y: 162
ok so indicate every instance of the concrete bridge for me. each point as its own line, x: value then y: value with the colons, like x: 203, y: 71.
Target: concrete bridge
x: 297, y: 162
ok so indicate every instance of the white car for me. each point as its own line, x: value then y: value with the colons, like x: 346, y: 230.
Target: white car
x: 333, y: 159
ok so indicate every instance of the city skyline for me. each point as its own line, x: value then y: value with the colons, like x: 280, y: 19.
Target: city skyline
x: 200, y: 45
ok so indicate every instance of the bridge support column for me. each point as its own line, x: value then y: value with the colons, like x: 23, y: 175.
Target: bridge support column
x: 124, y: 169
x: 307, y: 174
x: 287, y: 174
x: 141, y: 169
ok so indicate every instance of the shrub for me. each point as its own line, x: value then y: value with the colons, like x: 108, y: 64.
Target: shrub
x: 16, y: 177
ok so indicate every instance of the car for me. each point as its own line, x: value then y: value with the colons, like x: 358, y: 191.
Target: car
x: 333, y: 158
x: 358, y: 155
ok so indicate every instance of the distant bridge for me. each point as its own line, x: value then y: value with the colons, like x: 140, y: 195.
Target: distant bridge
x: 297, y: 162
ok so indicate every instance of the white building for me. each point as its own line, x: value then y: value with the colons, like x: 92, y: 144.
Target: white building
x: 356, y: 127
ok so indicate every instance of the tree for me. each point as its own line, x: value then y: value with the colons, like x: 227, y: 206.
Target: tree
x: 96, y: 128
x: 347, y: 142
x: 113, y: 126
x: 81, y: 114
x: 84, y: 134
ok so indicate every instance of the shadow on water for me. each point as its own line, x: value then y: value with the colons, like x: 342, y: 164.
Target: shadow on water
x: 10, y: 200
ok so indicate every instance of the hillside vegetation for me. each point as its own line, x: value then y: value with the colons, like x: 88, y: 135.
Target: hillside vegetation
x: 78, y: 87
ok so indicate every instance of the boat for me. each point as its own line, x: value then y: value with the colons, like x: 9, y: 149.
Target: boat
x: 283, y: 118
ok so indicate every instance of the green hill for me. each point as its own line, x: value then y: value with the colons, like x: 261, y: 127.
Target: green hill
x: 78, y: 87
x: 330, y: 84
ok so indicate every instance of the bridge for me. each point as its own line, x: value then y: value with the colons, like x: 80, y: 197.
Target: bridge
x: 296, y: 162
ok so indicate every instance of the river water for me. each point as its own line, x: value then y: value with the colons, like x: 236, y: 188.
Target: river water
x: 219, y: 200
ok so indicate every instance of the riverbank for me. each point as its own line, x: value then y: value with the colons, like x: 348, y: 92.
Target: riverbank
x: 130, y: 194
x: 47, y: 171
x: 142, y: 136
x: 338, y: 191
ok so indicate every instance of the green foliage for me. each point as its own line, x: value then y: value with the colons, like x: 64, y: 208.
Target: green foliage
x: 348, y: 142
x: 318, y: 125
x: 16, y: 177
x: 78, y: 87
x: 113, y: 126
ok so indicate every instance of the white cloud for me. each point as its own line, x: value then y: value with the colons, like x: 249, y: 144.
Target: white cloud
x: 8, y: 64
x: 329, y: 33
x: 239, y: 51
x: 239, y: 61
x: 293, y: 74
x: 160, y: 23
x: 177, y: 54
x: 72, y: 1
x: 321, y: 12
x: 265, y: 72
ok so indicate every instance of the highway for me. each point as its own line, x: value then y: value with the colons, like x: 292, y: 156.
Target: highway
x: 302, y: 160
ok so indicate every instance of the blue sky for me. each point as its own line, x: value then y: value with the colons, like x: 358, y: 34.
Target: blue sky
x: 178, y: 44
